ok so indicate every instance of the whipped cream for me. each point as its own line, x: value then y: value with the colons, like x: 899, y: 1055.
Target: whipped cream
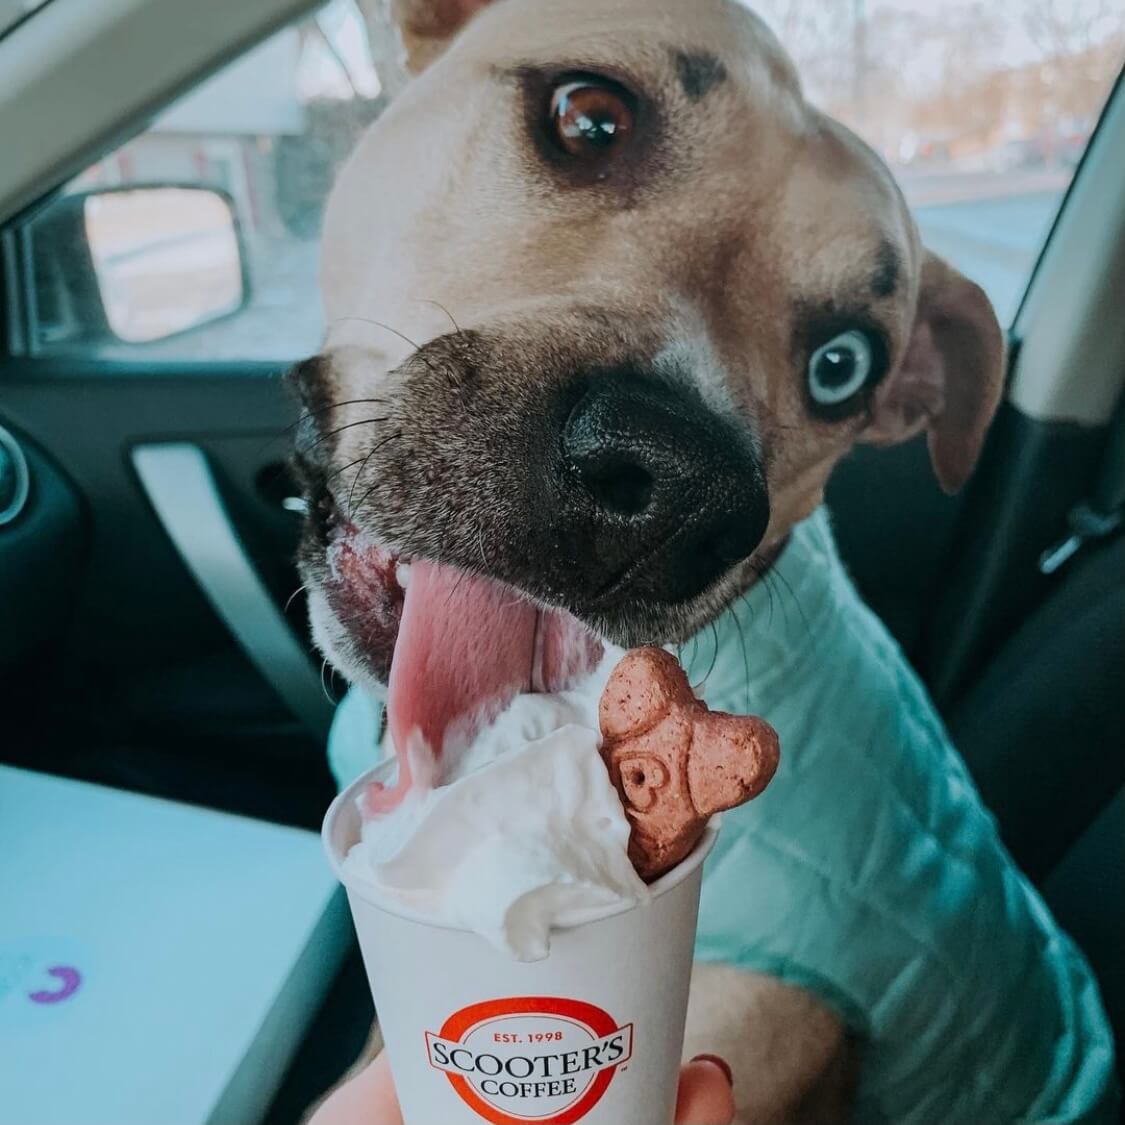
x: 527, y: 833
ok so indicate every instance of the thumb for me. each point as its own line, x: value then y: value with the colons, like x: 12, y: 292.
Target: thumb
x: 367, y: 1099
x: 706, y: 1095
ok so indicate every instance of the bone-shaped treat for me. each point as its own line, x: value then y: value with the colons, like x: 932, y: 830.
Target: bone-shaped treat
x: 675, y: 763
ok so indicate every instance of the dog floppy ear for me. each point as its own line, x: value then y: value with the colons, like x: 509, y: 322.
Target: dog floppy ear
x: 426, y: 26
x: 950, y: 378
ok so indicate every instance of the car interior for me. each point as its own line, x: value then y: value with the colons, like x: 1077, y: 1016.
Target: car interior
x: 153, y: 633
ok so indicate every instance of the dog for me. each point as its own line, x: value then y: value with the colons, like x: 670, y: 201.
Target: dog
x: 607, y: 300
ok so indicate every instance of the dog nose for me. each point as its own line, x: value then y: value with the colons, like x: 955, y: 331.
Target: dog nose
x: 668, y: 487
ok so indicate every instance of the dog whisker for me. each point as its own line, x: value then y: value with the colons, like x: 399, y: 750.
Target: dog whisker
x: 370, y: 453
x: 338, y: 472
x: 742, y: 645
x: 779, y: 577
x: 773, y: 585
x: 374, y: 449
x: 458, y: 331
x: 438, y: 304
x: 418, y: 350
x: 714, y: 658
x: 698, y: 685
x: 715, y: 651
x: 324, y: 684
x: 768, y: 582
x: 289, y: 601
x: 355, y: 480
x: 339, y: 429
x: 286, y: 434
x: 380, y: 324
x: 763, y: 577
x: 307, y: 415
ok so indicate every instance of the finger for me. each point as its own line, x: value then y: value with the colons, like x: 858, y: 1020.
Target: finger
x: 367, y: 1099
x: 706, y: 1096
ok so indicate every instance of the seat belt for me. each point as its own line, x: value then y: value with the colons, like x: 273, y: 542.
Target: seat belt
x: 1102, y: 515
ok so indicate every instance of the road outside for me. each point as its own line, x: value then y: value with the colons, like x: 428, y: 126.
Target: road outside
x: 990, y: 227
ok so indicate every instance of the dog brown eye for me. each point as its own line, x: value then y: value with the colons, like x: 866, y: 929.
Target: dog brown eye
x: 590, y: 117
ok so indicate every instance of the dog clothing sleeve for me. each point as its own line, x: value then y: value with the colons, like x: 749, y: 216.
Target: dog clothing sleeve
x: 870, y: 873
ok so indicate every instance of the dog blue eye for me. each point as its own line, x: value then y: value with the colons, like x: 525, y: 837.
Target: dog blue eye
x: 838, y: 369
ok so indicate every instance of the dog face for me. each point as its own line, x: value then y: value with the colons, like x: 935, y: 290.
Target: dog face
x: 606, y: 302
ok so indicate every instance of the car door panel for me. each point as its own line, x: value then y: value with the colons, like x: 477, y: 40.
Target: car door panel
x: 144, y: 657
x: 182, y: 488
x: 896, y: 542
x: 42, y: 550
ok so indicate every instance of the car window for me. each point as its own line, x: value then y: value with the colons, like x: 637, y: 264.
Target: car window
x: 266, y: 136
x: 982, y: 110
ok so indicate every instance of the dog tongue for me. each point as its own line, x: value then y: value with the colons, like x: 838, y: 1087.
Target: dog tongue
x: 466, y: 647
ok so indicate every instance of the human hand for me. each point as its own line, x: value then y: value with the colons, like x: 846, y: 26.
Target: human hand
x: 705, y: 1096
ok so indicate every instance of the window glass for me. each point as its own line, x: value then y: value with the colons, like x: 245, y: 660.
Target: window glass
x: 982, y: 109
x: 267, y: 134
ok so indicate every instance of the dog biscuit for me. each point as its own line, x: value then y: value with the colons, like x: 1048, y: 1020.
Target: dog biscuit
x: 673, y: 762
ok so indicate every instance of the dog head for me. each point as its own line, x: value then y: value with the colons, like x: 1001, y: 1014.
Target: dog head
x: 607, y: 299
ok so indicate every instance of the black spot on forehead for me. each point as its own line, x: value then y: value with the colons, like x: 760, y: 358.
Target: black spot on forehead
x: 884, y: 280
x: 699, y: 72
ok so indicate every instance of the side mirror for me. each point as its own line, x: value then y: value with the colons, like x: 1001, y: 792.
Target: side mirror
x: 135, y: 264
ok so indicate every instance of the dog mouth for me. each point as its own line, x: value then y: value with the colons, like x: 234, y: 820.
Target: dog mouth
x: 507, y: 524
x: 454, y: 648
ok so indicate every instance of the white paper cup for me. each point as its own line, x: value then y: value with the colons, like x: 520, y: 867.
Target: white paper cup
x: 591, y: 1034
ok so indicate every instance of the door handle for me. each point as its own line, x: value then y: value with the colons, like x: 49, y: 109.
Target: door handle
x: 182, y: 490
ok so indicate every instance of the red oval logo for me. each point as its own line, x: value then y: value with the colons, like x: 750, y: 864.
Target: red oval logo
x: 545, y: 1059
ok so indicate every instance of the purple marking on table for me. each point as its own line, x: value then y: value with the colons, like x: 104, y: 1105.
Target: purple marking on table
x: 70, y: 980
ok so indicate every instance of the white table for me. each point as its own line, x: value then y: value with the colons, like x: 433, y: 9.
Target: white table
x: 158, y: 962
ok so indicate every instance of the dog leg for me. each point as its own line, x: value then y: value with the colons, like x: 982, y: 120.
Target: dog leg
x: 792, y: 1060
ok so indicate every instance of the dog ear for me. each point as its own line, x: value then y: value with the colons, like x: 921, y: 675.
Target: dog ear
x: 950, y: 378
x: 426, y: 26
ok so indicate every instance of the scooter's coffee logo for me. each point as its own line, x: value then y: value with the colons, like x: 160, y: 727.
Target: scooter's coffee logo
x: 531, y: 1058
